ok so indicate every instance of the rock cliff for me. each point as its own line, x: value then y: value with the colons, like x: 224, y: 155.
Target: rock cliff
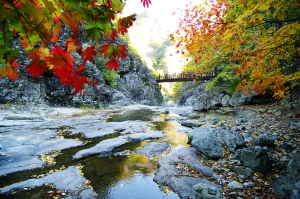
x: 136, y: 84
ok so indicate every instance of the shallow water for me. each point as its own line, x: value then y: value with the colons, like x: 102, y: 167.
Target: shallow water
x: 117, y: 176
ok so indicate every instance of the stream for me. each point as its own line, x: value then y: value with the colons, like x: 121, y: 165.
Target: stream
x: 119, y: 175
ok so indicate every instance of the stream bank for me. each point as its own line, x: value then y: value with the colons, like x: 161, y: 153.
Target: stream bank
x: 153, y: 144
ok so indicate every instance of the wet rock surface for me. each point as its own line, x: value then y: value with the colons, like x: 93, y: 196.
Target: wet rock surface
x: 256, y: 149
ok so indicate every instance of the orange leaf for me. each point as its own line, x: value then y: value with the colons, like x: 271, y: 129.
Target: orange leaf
x: 88, y: 53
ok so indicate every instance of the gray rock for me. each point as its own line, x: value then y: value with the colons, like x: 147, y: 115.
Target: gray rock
x: 246, y: 172
x: 184, y: 185
x: 207, y: 191
x: 256, y: 158
x: 280, y: 165
x: 191, y: 123
x: 105, y: 147
x: 232, y: 139
x: 249, y: 184
x: 286, y: 145
x: 225, y: 100
x: 265, y: 141
x: 239, y: 98
x: 278, y: 113
x: 194, y: 116
x: 291, y: 183
x: 207, y: 143
x: 88, y: 194
x: 234, y: 185
x: 69, y: 179
x: 209, y: 99
x: 153, y: 149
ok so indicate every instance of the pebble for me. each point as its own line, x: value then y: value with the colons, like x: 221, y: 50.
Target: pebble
x: 285, y: 159
x: 279, y: 165
x: 249, y: 184
x: 234, y: 185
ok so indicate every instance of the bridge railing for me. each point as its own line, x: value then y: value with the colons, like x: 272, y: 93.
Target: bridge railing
x: 187, y: 76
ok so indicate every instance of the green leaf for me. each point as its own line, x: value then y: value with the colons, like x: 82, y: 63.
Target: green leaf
x: 93, y: 31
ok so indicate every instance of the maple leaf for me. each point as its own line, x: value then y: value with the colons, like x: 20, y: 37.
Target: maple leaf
x: 56, y: 31
x: 71, y: 21
x: 128, y: 21
x: 88, y: 54
x: 73, y: 43
x: 11, y: 71
x: 79, y: 83
x: 38, y: 64
x: 112, y: 33
x: 107, y: 50
x: 113, y: 64
x: 60, y: 60
x: 121, y: 51
x: 25, y: 44
x: 36, y: 68
x: 146, y: 3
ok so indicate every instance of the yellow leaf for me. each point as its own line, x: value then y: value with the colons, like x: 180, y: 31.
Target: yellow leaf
x: 49, y: 5
x: 294, y: 4
x: 264, y: 7
x: 281, y: 16
x: 260, y: 17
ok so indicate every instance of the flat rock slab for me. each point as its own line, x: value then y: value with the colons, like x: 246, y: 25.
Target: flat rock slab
x: 153, y: 149
x: 69, y: 179
x: 107, y: 128
x: 106, y: 146
x: 191, y: 123
x: 167, y: 173
x: 21, y: 149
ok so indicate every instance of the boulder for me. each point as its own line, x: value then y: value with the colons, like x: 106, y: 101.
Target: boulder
x: 232, y: 139
x: 206, y: 142
x: 291, y: 184
x: 209, y: 99
x: 265, y: 141
x: 191, y: 123
x: 207, y: 191
x: 225, y: 100
x: 256, y: 158
x: 194, y: 116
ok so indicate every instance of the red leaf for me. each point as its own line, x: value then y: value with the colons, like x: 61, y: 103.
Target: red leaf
x: 122, y: 51
x: 19, y: 5
x: 36, y: 68
x: 113, y: 64
x: 88, y: 53
x: 113, y: 34
x: 128, y: 21
x: 146, y: 2
x: 107, y: 51
x: 78, y: 84
x: 61, y: 60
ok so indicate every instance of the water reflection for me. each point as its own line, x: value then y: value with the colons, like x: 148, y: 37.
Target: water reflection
x: 170, y: 128
x: 115, y: 177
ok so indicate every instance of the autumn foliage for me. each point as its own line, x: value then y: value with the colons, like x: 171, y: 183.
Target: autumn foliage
x: 260, y: 38
x: 38, y: 23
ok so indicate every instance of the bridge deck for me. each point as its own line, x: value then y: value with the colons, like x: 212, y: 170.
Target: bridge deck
x: 183, y: 77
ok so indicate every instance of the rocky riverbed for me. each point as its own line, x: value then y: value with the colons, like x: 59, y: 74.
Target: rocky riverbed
x: 243, y: 152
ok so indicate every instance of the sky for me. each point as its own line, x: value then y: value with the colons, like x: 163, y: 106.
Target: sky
x: 161, y: 22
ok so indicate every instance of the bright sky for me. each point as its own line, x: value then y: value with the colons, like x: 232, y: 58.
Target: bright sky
x: 160, y: 23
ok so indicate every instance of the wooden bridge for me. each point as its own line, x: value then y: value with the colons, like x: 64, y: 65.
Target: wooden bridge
x: 186, y: 76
